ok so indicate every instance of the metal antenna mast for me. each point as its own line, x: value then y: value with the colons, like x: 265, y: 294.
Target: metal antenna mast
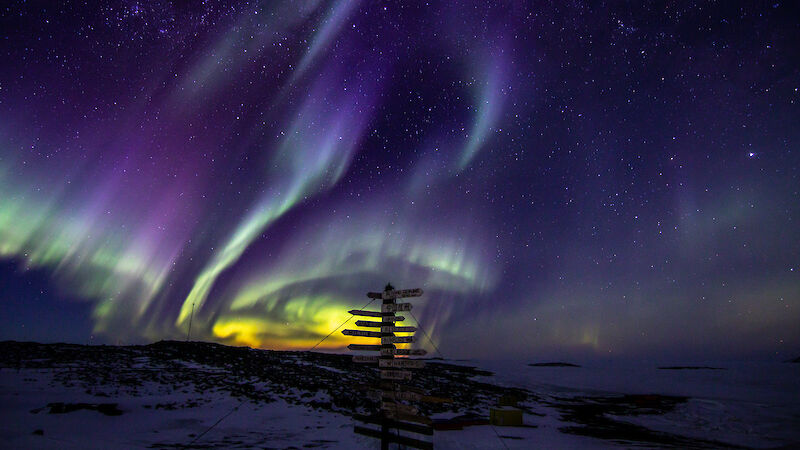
x: 189, y: 333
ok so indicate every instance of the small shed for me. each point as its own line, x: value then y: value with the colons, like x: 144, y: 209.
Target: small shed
x: 505, y: 416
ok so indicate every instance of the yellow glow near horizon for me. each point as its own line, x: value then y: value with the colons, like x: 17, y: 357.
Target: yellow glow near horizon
x: 307, y: 321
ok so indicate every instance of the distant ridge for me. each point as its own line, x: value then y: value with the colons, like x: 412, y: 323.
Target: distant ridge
x: 553, y: 364
x: 691, y: 368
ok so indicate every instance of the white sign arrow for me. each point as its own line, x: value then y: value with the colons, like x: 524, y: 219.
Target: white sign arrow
x: 389, y: 295
x: 413, y: 397
x: 399, y: 407
x: 365, y: 359
x: 403, y: 351
x: 397, y: 339
x: 410, y: 351
x: 384, y: 316
x: 395, y: 329
x: 400, y: 395
x: 408, y: 417
x: 395, y: 375
x: 365, y: 347
x: 393, y: 307
x: 361, y: 333
x: 359, y: 312
x: 369, y: 323
x: 401, y: 363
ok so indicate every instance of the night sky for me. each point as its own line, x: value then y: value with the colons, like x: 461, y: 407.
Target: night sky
x: 572, y: 179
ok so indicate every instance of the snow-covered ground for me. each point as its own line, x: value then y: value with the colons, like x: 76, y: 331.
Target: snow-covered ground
x: 200, y: 401
x: 740, y: 403
x: 141, y: 424
x: 244, y: 424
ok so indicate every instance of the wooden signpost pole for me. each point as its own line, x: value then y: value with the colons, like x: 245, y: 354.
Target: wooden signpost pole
x: 385, y: 430
x: 393, y: 414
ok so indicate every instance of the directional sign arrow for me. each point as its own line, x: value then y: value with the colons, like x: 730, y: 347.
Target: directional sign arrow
x: 385, y: 316
x: 391, y: 385
x: 408, y: 417
x: 365, y: 359
x: 413, y: 397
x: 404, y: 351
x: 387, y: 386
x: 395, y: 329
x: 401, y: 363
x: 392, y: 307
x: 400, y: 395
x: 397, y: 438
x: 395, y: 375
x: 369, y: 323
x: 399, y: 407
x: 378, y: 420
x: 395, y: 339
x: 361, y: 333
x: 365, y: 347
x: 359, y: 312
x: 389, y: 295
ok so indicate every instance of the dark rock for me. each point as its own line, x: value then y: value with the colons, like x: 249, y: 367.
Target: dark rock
x: 109, y: 409
x: 553, y: 364
x: 594, y: 416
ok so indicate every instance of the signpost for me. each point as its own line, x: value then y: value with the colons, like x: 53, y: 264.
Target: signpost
x: 369, y: 323
x: 365, y: 359
x: 363, y: 347
x: 395, y: 294
x: 408, y: 417
x: 358, y: 312
x: 393, y: 414
x: 361, y: 333
x: 385, y: 316
x: 413, y: 397
x: 394, y: 307
x: 395, y: 375
x: 419, y: 429
x: 401, y: 363
x: 397, y: 339
x: 399, y: 407
x: 386, y: 438
x: 402, y: 351
x: 395, y: 329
